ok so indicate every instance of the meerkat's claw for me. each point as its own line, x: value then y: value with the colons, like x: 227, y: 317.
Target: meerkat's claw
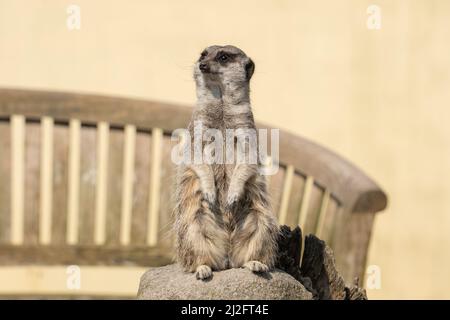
x: 232, y: 200
x: 211, y: 201
x: 256, y: 266
x: 210, y: 197
x: 203, y: 272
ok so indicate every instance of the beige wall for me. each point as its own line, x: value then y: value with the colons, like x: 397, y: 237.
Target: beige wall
x: 379, y: 97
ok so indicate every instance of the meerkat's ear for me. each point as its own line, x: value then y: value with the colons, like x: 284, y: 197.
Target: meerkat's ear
x: 249, y: 69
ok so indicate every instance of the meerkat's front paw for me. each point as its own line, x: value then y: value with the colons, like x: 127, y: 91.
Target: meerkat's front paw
x: 203, y: 272
x: 232, y: 200
x: 256, y: 266
x: 210, y: 196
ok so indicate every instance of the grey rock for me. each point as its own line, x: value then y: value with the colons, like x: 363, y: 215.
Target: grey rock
x: 172, y: 283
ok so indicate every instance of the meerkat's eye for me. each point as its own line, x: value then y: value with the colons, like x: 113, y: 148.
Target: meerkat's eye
x: 223, y: 57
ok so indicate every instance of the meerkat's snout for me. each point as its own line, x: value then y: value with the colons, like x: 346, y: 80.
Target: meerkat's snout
x: 204, y: 67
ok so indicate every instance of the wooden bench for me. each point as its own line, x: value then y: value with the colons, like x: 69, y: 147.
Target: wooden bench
x: 88, y: 180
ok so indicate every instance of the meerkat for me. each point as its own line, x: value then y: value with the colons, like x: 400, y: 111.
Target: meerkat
x: 223, y: 217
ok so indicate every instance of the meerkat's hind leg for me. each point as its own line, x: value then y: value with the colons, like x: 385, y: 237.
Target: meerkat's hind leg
x: 203, y: 272
x: 256, y: 266
x: 254, y: 243
x: 254, y: 239
x: 202, y: 243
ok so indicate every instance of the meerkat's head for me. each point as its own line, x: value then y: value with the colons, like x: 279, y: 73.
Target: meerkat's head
x: 223, y: 66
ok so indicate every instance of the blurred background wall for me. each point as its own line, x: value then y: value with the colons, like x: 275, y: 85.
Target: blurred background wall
x: 380, y: 98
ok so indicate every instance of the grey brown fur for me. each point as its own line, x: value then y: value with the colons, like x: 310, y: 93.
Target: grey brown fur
x: 223, y: 217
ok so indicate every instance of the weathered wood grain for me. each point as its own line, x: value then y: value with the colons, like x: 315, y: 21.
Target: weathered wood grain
x: 93, y: 109
x: 5, y: 181
x: 141, y: 189
x: 165, y: 235
x: 114, y: 197
x: 84, y: 255
x: 329, y: 221
x: 275, y: 189
x: 60, y: 183
x: 351, y: 241
x: 32, y: 182
x: 295, y: 200
x: 318, y: 265
x: 88, y: 175
x: 312, y: 214
x: 318, y: 272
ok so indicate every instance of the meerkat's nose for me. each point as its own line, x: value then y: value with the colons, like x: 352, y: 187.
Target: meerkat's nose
x: 204, y: 67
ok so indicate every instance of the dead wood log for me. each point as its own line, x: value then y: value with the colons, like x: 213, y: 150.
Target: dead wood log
x: 317, y: 272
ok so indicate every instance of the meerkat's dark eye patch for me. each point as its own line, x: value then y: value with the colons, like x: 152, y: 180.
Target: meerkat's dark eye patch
x: 224, y: 57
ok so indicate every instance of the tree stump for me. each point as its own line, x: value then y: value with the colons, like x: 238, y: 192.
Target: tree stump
x: 317, y: 272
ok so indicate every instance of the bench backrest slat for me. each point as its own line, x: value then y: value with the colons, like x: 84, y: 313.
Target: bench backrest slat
x: 61, y: 140
x: 88, y: 170
x: 5, y: 185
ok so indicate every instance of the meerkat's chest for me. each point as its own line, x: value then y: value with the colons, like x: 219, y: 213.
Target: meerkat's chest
x: 227, y: 130
x: 224, y: 167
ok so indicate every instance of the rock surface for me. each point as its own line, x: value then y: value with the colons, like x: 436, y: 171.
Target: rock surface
x: 170, y: 283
